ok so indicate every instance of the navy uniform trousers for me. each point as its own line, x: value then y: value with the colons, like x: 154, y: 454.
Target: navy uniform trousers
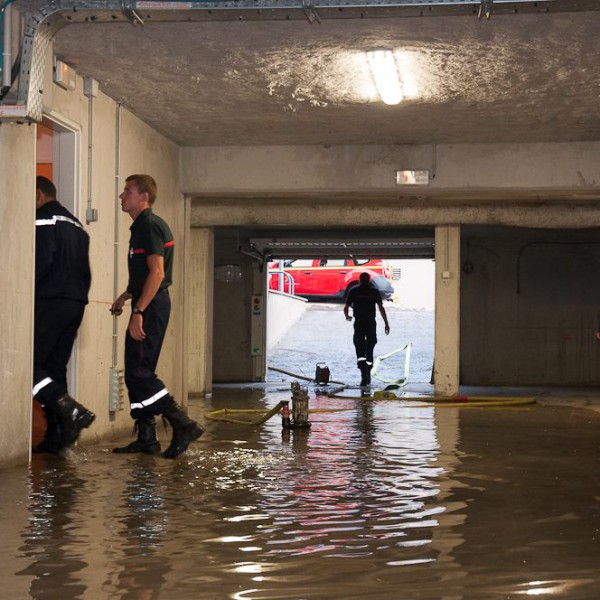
x: 56, y: 323
x: 148, y: 395
x: 365, y: 338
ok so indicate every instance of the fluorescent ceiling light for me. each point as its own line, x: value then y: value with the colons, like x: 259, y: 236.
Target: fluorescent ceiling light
x: 384, y: 71
x: 405, y: 62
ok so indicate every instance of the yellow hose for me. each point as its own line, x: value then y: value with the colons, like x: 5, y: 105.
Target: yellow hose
x: 448, y: 402
x: 227, y: 414
x: 224, y: 414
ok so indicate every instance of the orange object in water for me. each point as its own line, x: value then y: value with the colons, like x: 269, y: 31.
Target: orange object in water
x: 285, y: 414
x: 38, y: 424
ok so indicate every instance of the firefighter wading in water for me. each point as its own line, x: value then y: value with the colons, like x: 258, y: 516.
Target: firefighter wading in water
x: 62, y: 283
x: 150, y: 263
x: 363, y: 299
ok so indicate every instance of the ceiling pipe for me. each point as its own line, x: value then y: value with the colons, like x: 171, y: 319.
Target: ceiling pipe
x: 6, y: 16
x: 117, y: 233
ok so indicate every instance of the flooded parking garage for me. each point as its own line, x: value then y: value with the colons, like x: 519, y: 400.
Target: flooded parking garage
x: 317, y: 177
x: 383, y: 499
x: 378, y: 499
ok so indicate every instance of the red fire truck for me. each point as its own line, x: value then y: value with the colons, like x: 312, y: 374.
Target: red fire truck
x: 329, y: 278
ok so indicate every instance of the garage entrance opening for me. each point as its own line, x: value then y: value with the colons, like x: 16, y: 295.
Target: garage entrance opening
x: 244, y: 312
x: 316, y: 332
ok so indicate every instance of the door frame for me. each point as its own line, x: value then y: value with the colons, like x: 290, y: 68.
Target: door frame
x: 66, y: 168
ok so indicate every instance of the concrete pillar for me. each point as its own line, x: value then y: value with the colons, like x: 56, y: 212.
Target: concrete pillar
x: 447, y: 310
x: 258, y: 322
x: 200, y: 275
x: 17, y: 218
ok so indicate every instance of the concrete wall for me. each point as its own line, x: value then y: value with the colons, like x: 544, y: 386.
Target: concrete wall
x: 17, y: 217
x: 200, y: 277
x: 232, y: 358
x: 142, y: 150
x: 529, y: 308
x: 283, y: 311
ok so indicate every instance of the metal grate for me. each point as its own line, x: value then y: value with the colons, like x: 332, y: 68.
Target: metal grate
x: 291, y: 248
x: 41, y: 28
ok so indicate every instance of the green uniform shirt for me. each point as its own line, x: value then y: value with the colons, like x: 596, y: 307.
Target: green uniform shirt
x: 149, y: 235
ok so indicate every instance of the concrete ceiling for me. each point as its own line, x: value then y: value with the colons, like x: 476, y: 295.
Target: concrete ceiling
x: 527, y: 75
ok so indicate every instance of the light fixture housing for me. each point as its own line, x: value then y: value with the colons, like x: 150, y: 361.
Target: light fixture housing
x: 412, y: 177
x: 385, y: 75
x: 64, y: 76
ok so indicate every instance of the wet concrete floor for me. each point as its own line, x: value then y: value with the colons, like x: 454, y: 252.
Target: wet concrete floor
x: 323, y: 335
x: 382, y: 499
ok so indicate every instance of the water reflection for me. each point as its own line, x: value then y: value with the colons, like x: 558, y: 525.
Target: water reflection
x: 52, y: 541
x: 142, y: 519
x: 356, y: 486
x: 377, y: 500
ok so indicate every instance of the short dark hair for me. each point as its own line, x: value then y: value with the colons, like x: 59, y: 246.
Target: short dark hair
x: 46, y: 186
x: 145, y: 185
x: 364, y: 278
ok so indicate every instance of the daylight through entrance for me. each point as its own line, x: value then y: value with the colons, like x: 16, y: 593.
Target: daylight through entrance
x: 307, y: 331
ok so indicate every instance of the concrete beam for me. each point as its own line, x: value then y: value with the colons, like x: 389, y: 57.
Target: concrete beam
x: 506, y: 172
x: 376, y: 212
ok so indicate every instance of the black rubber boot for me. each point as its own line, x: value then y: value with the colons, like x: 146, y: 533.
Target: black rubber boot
x: 72, y: 418
x: 365, y: 374
x: 51, y: 444
x: 185, y: 431
x: 146, y: 438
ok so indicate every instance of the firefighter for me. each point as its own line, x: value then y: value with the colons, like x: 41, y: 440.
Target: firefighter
x: 62, y: 283
x: 363, y: 298
x: 150, y: 262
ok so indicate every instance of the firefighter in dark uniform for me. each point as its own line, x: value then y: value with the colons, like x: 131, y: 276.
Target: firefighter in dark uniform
x: 363, y: 298
x: 150, y: 261
x: 62, y: 283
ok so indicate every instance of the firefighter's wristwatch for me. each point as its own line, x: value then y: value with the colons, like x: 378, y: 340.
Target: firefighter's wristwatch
x: 136, y: 311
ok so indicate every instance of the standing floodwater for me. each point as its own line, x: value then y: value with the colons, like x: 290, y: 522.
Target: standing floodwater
x: 379, y: 499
